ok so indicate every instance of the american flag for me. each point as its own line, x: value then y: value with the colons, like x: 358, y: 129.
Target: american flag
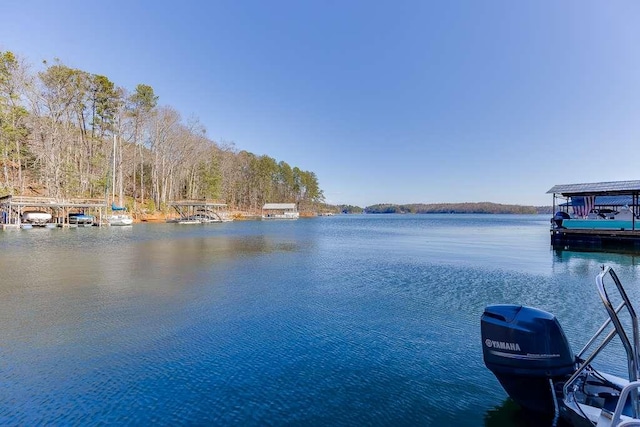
x: 582, y: 205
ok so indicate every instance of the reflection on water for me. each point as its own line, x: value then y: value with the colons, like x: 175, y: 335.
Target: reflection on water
x: 345, y: 320
x: 588, y: 258
x: 510, y: 414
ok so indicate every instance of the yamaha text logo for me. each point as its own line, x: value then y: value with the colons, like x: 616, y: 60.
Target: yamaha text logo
x: 513, y: 346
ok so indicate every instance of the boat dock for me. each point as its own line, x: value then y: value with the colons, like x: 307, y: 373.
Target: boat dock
x: 13, y: 208
x: 199, y: 212
x: 596, y: 216
x: 280, y: 211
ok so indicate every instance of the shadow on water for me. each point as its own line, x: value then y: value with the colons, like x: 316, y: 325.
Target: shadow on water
x: 510, y: 414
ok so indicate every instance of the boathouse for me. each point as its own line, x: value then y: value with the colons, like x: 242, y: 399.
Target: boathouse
x: 596, y: 216
x: 280, y: 211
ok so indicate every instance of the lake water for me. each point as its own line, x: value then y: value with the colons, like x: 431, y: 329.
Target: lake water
x: 344, y: 320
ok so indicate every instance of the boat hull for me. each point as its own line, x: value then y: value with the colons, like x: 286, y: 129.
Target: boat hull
x: 81, y: 220
x: 598, y: 224
x: 120, y: 220
x: 36, y: 218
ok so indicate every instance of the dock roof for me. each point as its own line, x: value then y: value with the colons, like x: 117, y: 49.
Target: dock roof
x: 279, y: 206
x: 47, y: 202
x: 197, y: 203
x: 602, y: 188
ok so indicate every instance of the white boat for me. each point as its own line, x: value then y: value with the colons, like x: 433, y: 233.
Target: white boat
x: 187, y: 221
x: 36, y: 218
x: 118, y: 216
x: 528, y: 352
x: 119, y: 220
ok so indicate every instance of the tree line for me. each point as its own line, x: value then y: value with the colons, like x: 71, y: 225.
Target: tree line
x: 482, y: 207
x: 67, y: 133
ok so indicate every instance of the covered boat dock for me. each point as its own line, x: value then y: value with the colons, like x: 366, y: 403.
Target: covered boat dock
x: 200, y: 211
x: 280, y: 211
x: 596, y: 216
x: 12, y: 209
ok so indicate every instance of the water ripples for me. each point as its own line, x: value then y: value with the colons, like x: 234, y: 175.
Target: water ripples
x: 341, y: 321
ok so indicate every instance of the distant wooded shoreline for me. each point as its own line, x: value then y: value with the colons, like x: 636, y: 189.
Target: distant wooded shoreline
x: 423, y: 208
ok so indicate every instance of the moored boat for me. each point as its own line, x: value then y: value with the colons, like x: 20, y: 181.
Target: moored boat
x: 118, y: 216
x: 119, y: 220
x: 597, y: 219
x: 36, y: 218
x: 188, y: 221
x: 81, y: 219
x: 596, y: 216
x: 528, y: 352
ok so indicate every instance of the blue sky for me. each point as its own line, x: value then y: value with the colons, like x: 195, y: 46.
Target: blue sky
x: 386, y: 101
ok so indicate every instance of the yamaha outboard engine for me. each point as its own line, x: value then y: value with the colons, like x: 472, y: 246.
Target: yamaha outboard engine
x: 525, y: 347
x: 558, y: 218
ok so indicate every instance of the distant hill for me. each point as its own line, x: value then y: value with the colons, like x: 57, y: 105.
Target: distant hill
x: 350, y: 209
x: 478, y: 208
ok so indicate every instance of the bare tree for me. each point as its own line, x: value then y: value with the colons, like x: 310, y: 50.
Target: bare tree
x: 14, y: 79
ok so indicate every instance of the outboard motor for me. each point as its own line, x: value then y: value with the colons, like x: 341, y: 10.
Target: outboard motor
x: 525, y: 347
x: 559, y: 217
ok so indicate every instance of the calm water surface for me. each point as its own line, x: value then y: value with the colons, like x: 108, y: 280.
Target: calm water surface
x: 345, y: 320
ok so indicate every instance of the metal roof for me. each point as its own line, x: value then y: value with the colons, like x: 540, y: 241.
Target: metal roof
x: 197, y: 203
x: 601, y: 201
x: 45, y: 202
x: 614, y: 187
x: 279, y: 206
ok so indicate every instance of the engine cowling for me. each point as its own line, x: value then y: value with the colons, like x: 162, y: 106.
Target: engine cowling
x: 525, y: 347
